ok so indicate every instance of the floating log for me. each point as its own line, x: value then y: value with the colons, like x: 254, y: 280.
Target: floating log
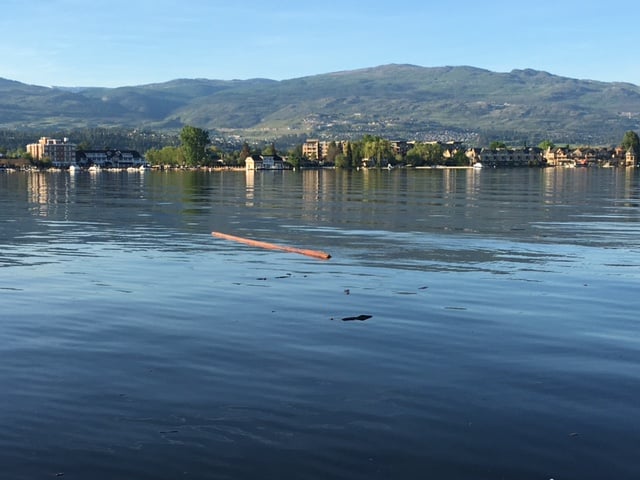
x: 273, y: 246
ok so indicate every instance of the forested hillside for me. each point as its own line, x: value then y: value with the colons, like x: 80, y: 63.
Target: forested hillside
x: 404, y: 101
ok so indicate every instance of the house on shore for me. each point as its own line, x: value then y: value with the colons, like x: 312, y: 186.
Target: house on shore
x: 265, y: 162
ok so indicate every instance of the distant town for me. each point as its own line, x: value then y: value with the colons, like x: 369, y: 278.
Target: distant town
x: 370, y: 152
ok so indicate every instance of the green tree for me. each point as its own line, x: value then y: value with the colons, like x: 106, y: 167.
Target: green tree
x: 425, y: 154
x: 378, y: 149
x: 349, y: 159
x: 495, y: 145
x: 172, y: 156
x: 345, y: 160
x: 545, y: 144
x: 194, y: 144
x: 341, y: 161
x: 458, y: 159
x: 631, y: 142
x: 270, y: 150
x: 244, y: 153
x: 357, y: 153
x: 214, y: 155
x: 294, y: 156
x: 332, y: 152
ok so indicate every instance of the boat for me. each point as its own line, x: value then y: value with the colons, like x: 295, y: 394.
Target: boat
x: 94, y: 168
x: 477, y: 165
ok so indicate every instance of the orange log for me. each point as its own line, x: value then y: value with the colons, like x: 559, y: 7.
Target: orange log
x: 272, y: 246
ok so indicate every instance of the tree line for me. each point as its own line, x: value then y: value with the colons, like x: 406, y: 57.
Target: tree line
x: 194, y: 147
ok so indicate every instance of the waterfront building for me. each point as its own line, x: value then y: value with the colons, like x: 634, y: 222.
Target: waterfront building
x: 61, y: 153
x: 507, y: 157
x: 109, y: 158
x: 264, y: 162
x: 316, y: 150
x: 630, y: 158
x: 312, y: 149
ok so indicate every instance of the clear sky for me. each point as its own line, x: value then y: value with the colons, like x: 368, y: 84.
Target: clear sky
x: 133, y: 42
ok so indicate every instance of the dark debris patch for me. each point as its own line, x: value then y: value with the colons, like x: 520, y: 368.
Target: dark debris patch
x: 360, y: 318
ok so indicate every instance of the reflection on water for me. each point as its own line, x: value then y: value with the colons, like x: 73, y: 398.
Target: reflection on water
x: 500, y: 340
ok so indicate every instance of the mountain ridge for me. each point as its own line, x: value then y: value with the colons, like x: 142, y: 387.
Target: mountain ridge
x: 400, y: 100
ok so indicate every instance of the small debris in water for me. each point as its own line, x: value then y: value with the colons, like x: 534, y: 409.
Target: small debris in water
x: 359, y: 317
x: 261, y: 278
x: 423, y: 287
x: 347, y: 291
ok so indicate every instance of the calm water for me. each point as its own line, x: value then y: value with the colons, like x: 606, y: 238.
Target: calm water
x: 503, y: 343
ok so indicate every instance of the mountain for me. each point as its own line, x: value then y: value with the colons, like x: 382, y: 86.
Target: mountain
x: 391, y: 100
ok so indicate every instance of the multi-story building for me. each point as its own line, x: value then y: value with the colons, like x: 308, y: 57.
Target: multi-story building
x: 61, y: 153
x: 109, y: 158
x: 317, y: 150
x: 312, y: 149
x: 507, y: 157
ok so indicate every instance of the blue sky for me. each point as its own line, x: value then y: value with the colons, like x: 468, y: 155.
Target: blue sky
x: 132, y: 42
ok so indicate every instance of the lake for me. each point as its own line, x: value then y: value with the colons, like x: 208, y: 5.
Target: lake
x: 499, y: 334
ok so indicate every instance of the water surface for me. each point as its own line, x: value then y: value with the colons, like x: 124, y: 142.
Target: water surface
x: 503, y: 339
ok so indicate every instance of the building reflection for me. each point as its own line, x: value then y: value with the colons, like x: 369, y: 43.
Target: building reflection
x: 47, y: 191
x: 249, y: 187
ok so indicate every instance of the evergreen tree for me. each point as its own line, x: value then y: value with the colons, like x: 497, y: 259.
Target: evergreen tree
x: 244, y: 153
x: 350, y: 163
x: 332, y: 153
